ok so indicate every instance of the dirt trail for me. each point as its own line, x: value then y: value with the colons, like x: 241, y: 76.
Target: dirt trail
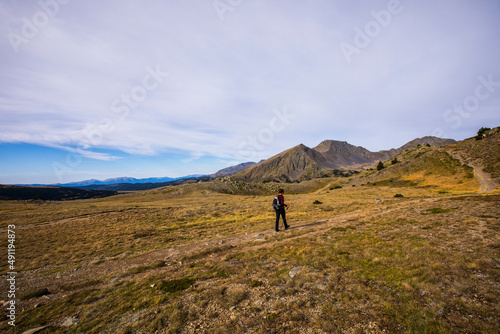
x: 486, y: 183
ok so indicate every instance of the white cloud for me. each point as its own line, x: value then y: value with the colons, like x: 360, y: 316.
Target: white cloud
x: 227, y: 76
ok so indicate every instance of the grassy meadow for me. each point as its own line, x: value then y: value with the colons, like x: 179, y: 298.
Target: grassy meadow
x: 204, y: 257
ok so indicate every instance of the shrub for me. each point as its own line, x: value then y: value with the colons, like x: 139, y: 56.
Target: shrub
x: 398, y: 195
x: 256, y: 283
x: 380, y: 165
x: 137, y: 270
x: 317, y: 202
x: 157, y: 264
x: 395, y: 161
x: 176, y: 285
x: 481, y: 133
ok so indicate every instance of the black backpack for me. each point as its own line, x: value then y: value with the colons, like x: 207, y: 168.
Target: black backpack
x: 277, y: 204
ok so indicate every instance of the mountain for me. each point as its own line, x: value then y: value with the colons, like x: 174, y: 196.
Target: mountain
x: 330, y: 157
x: 93, y: 183
x: 128, y: 180
x: 233, y: 169
x: 428, y: 140
x: 130, y: 183
x: 144, y: 186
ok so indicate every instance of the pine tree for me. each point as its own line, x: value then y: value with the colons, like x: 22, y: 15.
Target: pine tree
x: 380, y: 165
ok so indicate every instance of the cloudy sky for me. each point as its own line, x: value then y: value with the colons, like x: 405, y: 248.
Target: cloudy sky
x: 100, y: 89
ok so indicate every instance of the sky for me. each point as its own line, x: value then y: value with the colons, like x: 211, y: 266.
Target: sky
x: 102, y: 89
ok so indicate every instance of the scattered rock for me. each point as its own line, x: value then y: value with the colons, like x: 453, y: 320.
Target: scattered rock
x: 152, y: 285
x: 292, y: 273
x: 69, y: 321
x: 260, y: 235
x: 34, y: 330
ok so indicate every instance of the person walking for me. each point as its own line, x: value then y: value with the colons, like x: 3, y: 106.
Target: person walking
x: 279, y: 206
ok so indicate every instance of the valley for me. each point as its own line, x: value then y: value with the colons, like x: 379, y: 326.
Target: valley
x: 408, y: 248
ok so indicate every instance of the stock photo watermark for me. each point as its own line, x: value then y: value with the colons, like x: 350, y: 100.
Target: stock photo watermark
x: 120, y: 109
x: 224, y: 6
x: 31, y: 27
x: 470, y: 104
x: 265, y: 136
x: 11, y: 274
x: 371, y: 30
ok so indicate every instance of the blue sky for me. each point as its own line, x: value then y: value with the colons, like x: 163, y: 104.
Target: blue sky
x: 100, y: 89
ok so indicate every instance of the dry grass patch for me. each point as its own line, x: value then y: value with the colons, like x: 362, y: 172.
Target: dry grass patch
x: 422, y: 263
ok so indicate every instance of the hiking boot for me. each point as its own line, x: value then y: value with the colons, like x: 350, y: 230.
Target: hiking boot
x: 287, y: 227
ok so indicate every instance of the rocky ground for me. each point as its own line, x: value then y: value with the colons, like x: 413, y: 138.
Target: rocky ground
x: 253, y: 289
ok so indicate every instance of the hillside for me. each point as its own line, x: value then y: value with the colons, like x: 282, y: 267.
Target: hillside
x: 426, y: 167
x: 233, y: 169
x: 409, y: 248
x: 329, y: 158
x: 483, y: 153
x: 466, y: 165
x: 185, y: 259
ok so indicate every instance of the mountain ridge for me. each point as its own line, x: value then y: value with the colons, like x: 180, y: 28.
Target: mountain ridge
x: 330, y: 157
x: 114, y: 181
x: 299, y: 163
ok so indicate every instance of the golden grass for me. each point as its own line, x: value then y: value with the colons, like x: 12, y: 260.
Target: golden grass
x: 191, y: 259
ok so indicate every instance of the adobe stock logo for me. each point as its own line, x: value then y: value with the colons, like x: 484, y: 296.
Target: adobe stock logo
x: 470, y: 104
x: 372, y: 29
x: 223, y: 6
x: 248, y: 148
x: 31, y: 27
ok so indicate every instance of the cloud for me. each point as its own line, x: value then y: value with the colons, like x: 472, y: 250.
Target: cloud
x: 226, y: 77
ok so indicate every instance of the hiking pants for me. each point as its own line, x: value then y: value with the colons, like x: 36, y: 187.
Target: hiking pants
x: 283, y: 216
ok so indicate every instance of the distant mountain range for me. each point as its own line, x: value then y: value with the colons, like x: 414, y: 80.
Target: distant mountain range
x: 329, y: 158
x: 117, y: 180
x: 297, y: 164
x: 129, y: 180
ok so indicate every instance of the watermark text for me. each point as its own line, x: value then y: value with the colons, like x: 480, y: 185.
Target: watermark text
x: 11, y: 274
x: 31, y: 27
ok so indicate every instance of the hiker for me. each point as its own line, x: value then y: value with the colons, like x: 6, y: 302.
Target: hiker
x: 279, y: 206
